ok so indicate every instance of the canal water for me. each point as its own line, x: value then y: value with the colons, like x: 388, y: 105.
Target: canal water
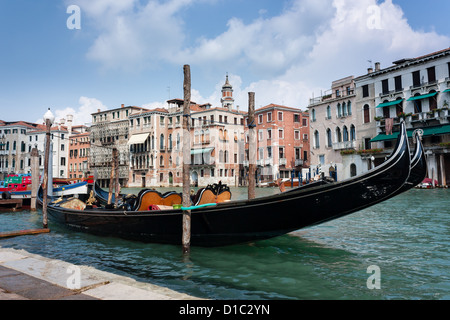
x: 398, y: 249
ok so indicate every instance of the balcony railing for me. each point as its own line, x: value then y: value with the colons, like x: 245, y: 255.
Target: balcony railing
x: 344, y: 145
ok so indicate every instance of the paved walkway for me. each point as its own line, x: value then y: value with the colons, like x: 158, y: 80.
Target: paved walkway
x: 25, y: 276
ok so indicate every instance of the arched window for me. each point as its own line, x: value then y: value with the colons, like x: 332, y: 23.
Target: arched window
x: 170, y: 142
x: 349, y: 108
x: 353, y: 170
x: 366, y: 111
x: 161, y: 161
x: 313, y: 112
x: 225, y: 157
x: 344, y: 109
x: 316, y: 139
x: 345, y: 133
x: 329, y: 140
x: 161, y: 142
x: 352, y: 133
x: 221, y: 156
x: 339, y: 110
x: 328, y: 112
x: 153, y: 142
x: 338, y: 135
x: 178, y: 141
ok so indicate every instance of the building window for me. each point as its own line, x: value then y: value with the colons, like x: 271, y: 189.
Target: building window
x: 385, y: 86
x: 352, y: 170
x: 313, y: 113
x: 338, y: 135
x: 296, y: 118
x: 281, y: 133
x: 280, y: 116
x: 316, y: 140
x: 431, y: 72
x: 281, y: 153
x: 269, y: 116
x: 416, y: 79
x: 339, y: 110
x: 269, y: 134
x: 365, y: 90
x: 345, y: 133
x: 161, y: 142
x: 260, y: 118
x: 305, y: 122
x: 366, y: 113
x: 328, y: 112
x: 329, y: 140
x: 352, y: 133
x: 297, y: 134
x: 398, y: 83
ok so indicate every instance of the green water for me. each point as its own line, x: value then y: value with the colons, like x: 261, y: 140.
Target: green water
x: 406, y: 237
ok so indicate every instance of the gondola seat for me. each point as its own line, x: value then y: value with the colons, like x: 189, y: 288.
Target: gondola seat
x: 148, y: 198
x: 212, y: 194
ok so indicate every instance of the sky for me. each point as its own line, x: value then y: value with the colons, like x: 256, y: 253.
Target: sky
x: 78, y: 56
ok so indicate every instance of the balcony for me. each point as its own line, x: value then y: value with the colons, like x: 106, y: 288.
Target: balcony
x: 282, y: 161
x: 299, y: 162
x: 344, y: 145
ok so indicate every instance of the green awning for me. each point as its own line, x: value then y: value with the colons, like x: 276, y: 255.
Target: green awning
x: 430, y: 131
x: 447, y: 90
x: 424, y: 96
x: 388, y: 104
x: 200, y: 151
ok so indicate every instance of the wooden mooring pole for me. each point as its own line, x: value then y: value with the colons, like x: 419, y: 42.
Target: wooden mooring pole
x: 186, y: 241
x: 34, y: 178
x: 251, y: 146
x: 48, y: 124
x: 112, y: 179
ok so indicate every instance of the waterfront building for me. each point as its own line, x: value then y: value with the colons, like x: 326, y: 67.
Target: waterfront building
x: 283, y: 142
x: 418, y: 91
x: 15, y: 147
x: 338, y: 131
x: 109, y: 130
x: 151, y: 148
x: 217, y: 149
x: 79, y: 149
x: 218, y: 146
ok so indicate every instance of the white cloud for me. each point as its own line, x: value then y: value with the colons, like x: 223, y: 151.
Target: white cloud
x: 82, y: 114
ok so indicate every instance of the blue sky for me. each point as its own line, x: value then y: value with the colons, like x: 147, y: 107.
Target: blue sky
x: 133, y: 51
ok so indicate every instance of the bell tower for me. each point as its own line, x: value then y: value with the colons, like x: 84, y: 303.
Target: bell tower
x: 227, y: 99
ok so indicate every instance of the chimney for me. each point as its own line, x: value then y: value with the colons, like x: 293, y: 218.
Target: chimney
x: 369, y: 70
x: 69, y: 123
x: 98, y: 110
x: 377, y: 66
x: 123, y: 106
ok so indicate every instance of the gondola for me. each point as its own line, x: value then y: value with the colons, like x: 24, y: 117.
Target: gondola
x: 234, y: 222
